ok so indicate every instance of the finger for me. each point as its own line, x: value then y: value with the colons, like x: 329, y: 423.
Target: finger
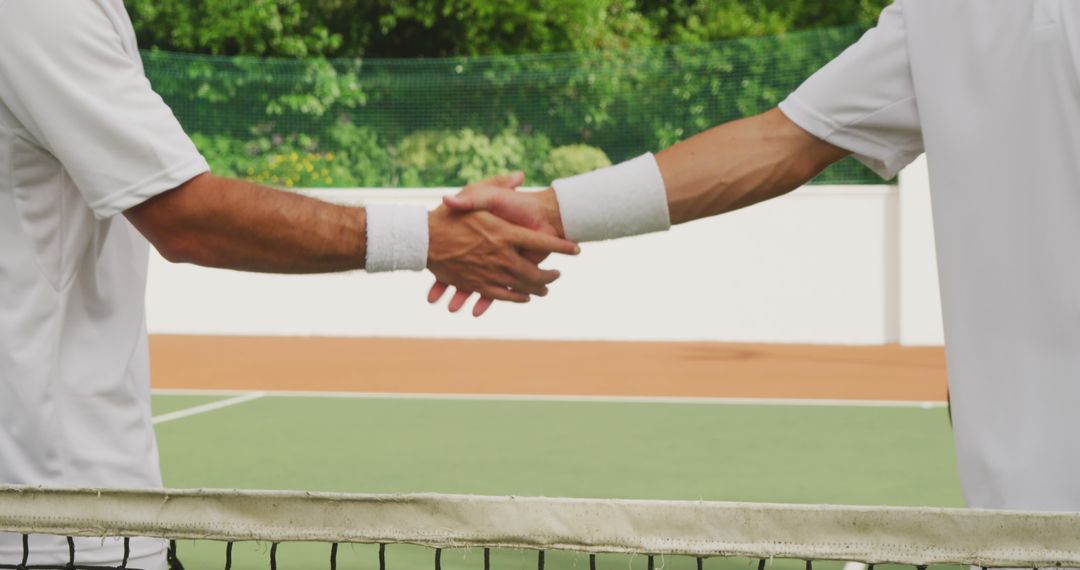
x: 543, y: 243
x: 437, y: 291
x: 512, y: 180
x: 477, y: 198
x: 535, y: 257
x: 529, y: 288
x: 459, y: 299
x: 459, y: 203
x: 503, y: 294
x: 482, y: 306
x: 531, y: 279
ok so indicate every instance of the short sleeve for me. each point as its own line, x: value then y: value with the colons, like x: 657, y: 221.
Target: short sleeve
x: 79, y: 95
x: 864, y: 100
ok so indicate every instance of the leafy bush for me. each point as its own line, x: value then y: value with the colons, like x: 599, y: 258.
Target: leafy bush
x: 368, y: 158
x: 296, y: 163
x: 227, y: 156
x: 574, y: 159
x: 354, y: 156
x: 453, y: 120
x: 455, y: 158
x: 413, y: 28
x: 351, y: 156
x: 701, y: 21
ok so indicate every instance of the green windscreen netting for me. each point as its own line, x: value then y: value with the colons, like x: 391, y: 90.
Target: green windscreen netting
x: 446, y: 122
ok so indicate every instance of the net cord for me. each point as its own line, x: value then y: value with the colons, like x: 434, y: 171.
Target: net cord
x: 700, y: 529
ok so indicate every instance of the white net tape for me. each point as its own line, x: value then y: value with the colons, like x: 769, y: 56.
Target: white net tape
x: 915, y: 536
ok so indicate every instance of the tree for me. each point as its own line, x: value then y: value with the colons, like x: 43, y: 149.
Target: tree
x: 439, y: 28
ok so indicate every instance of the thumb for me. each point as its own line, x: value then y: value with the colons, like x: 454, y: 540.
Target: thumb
x: 459, y: 203
x: 511, y: 181
x: 482, y: 198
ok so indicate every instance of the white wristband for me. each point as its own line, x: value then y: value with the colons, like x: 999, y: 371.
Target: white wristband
x: 622, y: 200
x: 397, y: 238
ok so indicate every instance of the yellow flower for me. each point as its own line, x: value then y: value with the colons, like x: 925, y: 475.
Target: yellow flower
x: 294, y: 157
x: 330, y: 156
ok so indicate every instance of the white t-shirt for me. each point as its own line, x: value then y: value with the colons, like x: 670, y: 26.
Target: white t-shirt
x: 991, y: 90
x: 82, y: 138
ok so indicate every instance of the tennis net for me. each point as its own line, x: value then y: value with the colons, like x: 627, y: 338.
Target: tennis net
x: 464, y: 531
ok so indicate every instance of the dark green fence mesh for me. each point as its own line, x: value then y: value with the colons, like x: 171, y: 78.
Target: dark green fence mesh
x: 445, y: 122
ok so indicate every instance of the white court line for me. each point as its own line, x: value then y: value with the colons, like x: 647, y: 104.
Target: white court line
x: 854, y: 566
x: 196, y: 410
x: 556, y: 398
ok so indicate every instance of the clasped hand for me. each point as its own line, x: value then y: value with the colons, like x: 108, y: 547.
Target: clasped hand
x: 490, y: 240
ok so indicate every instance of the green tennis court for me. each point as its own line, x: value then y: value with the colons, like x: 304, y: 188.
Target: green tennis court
x: 850, y: 454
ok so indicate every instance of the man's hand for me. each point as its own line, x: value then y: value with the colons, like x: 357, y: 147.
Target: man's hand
x: 478, y: 251
x: 534, y: 210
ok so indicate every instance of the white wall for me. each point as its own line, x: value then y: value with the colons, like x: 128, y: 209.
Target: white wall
x: 920, y: 303
x: 821, y: 265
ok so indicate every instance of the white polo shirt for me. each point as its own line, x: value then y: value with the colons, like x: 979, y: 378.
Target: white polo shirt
x: 82, y: 138
x: 991, y: 90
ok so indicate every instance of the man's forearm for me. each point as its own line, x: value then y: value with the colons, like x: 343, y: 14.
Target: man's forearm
x: 732, y: 166
x: 220, y: 222
x: 740, y: 163
x: 728, y: 167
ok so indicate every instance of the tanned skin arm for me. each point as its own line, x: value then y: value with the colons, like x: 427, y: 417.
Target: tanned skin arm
x: 220, y: 222
x: 732, y: 166
x: 739, y: 164
x: 725, y: 168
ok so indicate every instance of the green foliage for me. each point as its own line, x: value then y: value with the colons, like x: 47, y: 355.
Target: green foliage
x: 455, y: 158
x: 369, y: 159
x: 426, y: 28
x: 616, y: 83
x: 353, y: 156
x: 574, y: 159
x: 235, y: 27
x: 441, y: 28
x: 350, y: 156
x: 387, y: 28
x: 698, y: 21
x: 458, y: 157
x: 447, y: 122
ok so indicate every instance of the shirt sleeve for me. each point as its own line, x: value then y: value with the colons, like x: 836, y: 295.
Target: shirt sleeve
x: 864, y: 100
x: 79, y: 95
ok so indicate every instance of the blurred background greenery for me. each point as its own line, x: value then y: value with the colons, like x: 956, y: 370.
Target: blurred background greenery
x: 342, y: 93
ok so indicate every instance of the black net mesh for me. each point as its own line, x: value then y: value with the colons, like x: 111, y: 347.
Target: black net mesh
x: 275, y: 556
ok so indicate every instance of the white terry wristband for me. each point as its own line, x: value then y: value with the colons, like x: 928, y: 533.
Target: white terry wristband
x: 621, y: 200
x: 397, y: 238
